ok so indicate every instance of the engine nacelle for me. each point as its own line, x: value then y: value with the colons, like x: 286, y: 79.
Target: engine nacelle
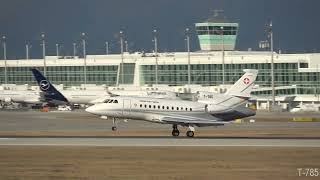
x: 213, y: 108
x: 104, y: 117
x: 32, y: 101
x: 7, y: 99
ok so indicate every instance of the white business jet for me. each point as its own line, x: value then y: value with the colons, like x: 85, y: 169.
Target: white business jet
x: 223, y: 109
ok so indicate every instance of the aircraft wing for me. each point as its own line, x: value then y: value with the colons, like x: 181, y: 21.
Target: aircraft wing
x: 196, y: 121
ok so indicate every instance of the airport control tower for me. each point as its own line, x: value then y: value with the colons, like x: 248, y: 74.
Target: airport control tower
x: 217, y: 33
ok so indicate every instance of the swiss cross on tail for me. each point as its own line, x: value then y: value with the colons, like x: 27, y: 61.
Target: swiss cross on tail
x: 243, y: 87
x: 246, y: 81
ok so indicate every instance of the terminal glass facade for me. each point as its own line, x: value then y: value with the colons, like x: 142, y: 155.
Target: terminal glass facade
x: 20, y: 75
x: 286, y: 74
x: 67, y: 75
x: 128, y: 76
x: 2, y: 75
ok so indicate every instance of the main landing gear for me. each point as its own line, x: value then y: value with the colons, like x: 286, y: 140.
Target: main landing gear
x: 190, y: 132
x: 176, y: 132
x: 114, y: 124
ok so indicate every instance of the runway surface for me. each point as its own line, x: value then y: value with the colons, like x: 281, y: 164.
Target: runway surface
x: 161, y: 142
x: 82, y: 121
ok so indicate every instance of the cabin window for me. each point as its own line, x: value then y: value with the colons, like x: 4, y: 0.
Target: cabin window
x: 110, y: 101
x: 154, y: 106
x: 177, y: 108
x: 115, y: 101
x: 141, y: 105
x: 190, y: 109
x: 158, y: 107
x: 145, y: 106
x: 162, y: 107
x: 167, y: 107
x: 106, y: 101
x: 149, y: 106
x: 172, y: 108
x: 181, y: 108
x: 186, y: 109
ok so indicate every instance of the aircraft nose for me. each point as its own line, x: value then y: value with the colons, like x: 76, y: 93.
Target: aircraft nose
x: 91, y: 109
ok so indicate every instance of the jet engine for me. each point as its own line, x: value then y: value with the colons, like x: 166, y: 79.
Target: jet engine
x: 213, y: 108
x: 7, y: 99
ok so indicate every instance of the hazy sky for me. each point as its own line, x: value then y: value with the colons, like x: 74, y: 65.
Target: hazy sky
x: 296, y: 23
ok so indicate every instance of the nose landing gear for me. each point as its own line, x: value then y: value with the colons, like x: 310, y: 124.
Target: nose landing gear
x: 114, y: 124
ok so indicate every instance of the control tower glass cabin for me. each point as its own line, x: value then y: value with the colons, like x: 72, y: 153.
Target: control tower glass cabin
x: 215, y: 34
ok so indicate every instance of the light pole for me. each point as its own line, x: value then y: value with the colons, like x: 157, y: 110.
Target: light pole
x: 4, y: 38
x: 28, y: 47
x: 57, y: 50
x: 107, y: 47
x: 84, y: 57
x: 155, y: 39
x: 188, y: 48
x: 270, y: 30
x: 120, y: 68
x: 222, y: 49
x: 317, y: 89
x: 121, y: 42
x: 126, y: 45
x: 74, y: 50
x: 44, y: 54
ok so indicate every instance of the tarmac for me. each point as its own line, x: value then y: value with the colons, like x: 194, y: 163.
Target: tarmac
x: 81, y: 120
x: 160, y: 142
x: 13, y: 125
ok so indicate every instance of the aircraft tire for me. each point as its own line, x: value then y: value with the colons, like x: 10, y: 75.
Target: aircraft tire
x: 190, y: 133
x: 175, y: 133
x: 114, y: 128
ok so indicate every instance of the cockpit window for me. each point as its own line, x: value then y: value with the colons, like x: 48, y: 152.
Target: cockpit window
x: 110, y: 101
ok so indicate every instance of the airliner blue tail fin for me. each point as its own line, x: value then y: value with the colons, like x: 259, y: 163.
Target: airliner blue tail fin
x: 50, y: 92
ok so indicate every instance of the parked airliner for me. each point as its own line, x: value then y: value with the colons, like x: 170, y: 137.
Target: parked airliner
x: 24, y: 97
x: 52, y: 95
x: 225, y: 108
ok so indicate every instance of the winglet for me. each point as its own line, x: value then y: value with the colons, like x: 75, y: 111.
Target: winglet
x: 51, y: 93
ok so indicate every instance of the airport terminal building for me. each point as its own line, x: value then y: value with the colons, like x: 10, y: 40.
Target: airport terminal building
x: 297, y: 76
